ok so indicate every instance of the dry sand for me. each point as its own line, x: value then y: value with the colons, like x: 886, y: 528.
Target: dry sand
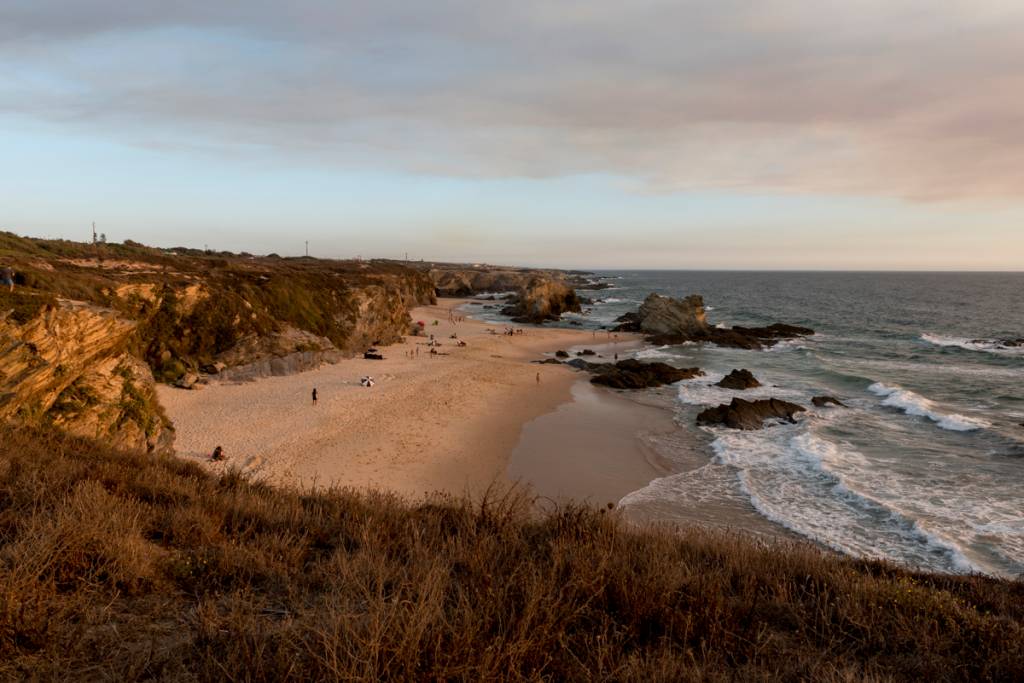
x: 446, y: 423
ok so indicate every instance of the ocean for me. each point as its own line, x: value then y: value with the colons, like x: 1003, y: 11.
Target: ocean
x: 925, y: 466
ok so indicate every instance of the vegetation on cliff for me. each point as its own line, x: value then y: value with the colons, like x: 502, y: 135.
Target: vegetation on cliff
x: 125, y: 567
x: 99, y: 322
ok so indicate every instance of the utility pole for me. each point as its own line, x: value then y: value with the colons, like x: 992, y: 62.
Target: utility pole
x: 307, y: 248
x: 94, y: 232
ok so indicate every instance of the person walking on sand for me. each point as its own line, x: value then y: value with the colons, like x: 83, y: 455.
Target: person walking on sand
x: 314, y: 395
x: 7, y: 278
x: 538, y: 378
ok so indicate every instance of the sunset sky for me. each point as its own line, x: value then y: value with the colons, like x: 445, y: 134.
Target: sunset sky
x: 716, y: 134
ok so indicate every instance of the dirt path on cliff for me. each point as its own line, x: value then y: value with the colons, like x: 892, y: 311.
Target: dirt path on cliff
x: 443, y: 423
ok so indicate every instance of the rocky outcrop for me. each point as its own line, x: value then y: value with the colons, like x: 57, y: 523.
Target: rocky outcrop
x: 541, y: 300
x: 665, y: 320
x: 741, y: 414
x: 634, y: 374
x: 70, y: 365
x: 825, y: 401
x: 536, y: 296
x: 115, y: 402
x: 739, y: 380
x: 661, y: 316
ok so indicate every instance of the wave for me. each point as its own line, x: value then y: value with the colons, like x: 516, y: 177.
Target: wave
x: 919, y: 406
x: 703, y: 391
x: 806, y: 484
x: 984, y: 345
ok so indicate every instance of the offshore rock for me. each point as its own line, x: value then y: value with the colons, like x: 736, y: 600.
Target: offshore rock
x: 739, y: 380
x: 665, y: 320
x: 749, y: 415
x: 634, y: 374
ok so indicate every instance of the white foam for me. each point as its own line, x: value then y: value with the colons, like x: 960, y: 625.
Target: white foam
x: 816, y: 488
x: 702, y: 391
x: 983, y: 345
x: 917, y: 405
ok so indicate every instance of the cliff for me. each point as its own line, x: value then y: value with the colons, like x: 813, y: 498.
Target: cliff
x: 90, y: 328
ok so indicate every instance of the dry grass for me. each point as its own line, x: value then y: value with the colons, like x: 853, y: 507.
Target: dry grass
x: 116, y: 567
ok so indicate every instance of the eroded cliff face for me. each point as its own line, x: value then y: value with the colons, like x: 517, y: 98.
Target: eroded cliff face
x: 69, y: 365
x: 89, y: 332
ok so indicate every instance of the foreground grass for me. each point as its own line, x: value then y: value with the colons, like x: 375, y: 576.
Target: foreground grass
x: 117, y: 567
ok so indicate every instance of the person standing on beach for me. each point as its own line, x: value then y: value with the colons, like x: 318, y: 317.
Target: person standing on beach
x: 314, y: 396
x: 538, y: 378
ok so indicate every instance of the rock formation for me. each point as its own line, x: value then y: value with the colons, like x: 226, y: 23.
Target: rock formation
x: 665, y: 320
x: 535, y: 296
x: 824, y: 401
x: 741, y: 414
x: 634, y: 374
x: 739, y: 380
x: 541, y: 300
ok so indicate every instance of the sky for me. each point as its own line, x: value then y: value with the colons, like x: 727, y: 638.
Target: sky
x: 776, y: 134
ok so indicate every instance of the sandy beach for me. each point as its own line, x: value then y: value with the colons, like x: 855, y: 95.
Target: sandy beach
x: 443, y: 423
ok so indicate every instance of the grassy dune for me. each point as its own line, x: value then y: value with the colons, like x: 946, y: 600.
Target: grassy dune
x: 116, y: 567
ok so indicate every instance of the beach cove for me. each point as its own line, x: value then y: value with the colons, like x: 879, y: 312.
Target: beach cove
x: 446, y: 423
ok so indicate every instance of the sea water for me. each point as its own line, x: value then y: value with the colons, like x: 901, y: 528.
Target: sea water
x: 924, y: 467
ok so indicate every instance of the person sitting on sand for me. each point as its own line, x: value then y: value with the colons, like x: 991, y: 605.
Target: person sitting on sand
x: 218, y: 454
x: 7, y: 278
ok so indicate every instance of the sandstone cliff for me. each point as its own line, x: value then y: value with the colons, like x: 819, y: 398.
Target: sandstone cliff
x: 89, y: 329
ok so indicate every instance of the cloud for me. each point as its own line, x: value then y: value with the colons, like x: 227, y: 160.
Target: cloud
x: 919, y: 101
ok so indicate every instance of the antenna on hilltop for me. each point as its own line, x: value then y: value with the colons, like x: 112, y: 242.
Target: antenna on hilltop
x: 307, y: 248
x: 94, y: 232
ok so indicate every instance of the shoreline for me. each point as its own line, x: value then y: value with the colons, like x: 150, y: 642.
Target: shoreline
x: 446, y: 423
x: 460, y: 423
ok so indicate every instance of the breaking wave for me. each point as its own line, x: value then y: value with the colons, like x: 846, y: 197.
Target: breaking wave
x: 919, y: 406
x: 983, y: 345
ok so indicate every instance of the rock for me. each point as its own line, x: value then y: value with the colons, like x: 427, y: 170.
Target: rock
x: 214, y: 368
x: 542, y: 299
x: 578, y: 363
x: 823, y: 401
x: 741, y: 414
x: 634, y: 374
x: 675, y: 321
x: 561, y: 354
x: 187, y: 380
x: 586, y: 352
x: 548, y: 361
x: 664, y: 316
x: 739, y: 380
x: 369, y: 355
